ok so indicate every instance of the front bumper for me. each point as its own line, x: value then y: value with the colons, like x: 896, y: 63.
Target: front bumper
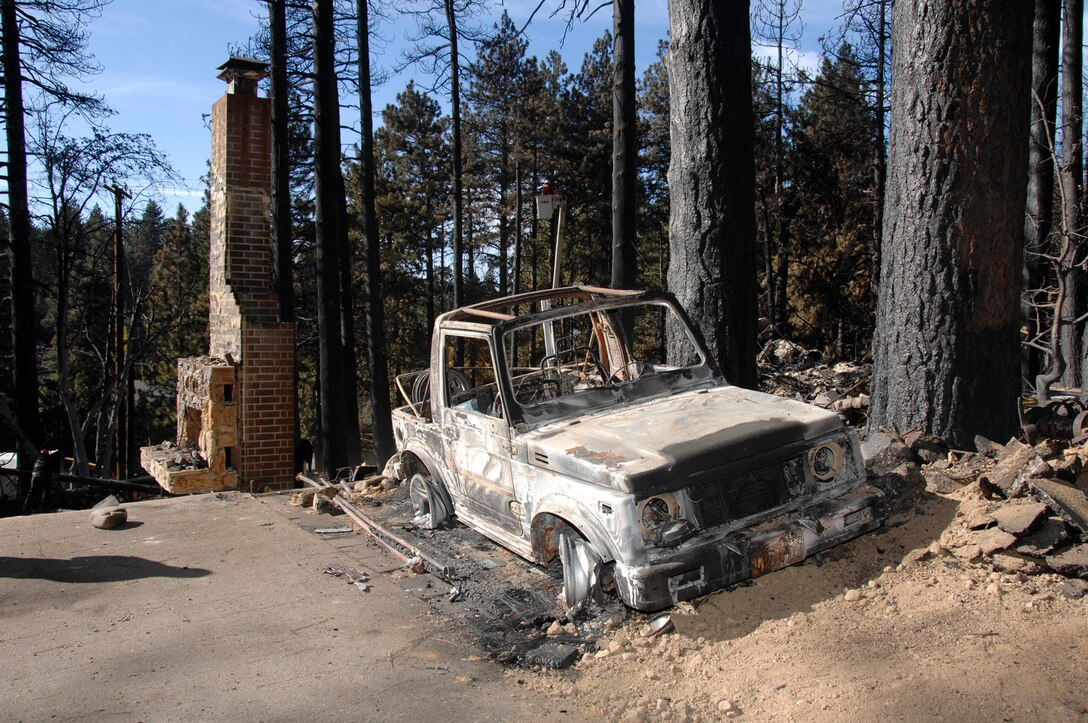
x: 702, y: 565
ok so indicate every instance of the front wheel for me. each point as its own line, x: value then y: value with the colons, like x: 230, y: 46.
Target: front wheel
x: 431, y: 504
x: 581, y: 572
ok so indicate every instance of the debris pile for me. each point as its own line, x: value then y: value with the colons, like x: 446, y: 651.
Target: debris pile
x: 174, y: 458
x: 1022, y: 508
x: 789, y: 370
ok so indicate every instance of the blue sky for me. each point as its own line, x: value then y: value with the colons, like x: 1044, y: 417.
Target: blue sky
x: 159, y: 62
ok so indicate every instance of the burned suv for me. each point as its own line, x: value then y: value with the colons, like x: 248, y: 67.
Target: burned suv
x: 592, y: 425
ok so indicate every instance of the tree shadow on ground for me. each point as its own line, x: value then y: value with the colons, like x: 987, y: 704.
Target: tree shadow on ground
x: 914, y: 523
x: 92, y: 568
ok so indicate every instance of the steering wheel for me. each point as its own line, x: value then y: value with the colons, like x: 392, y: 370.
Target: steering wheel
x: 532, y: 385
x: 573, y: 353
x: 640, y: 369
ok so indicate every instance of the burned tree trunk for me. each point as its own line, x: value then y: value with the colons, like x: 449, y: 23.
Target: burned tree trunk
x: 24, y: 336
x: 712, y: 266
x: 624, y: 146
x: 374, y: 310
x: 328, y: 185
x: 1039, y: 211
x: 1072, y: 185
x: 946, y: 349
x: 283, y: 278
x: 458, y: 173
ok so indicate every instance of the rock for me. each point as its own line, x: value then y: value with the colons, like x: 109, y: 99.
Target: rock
x: 852, y: 596
x: 899, y: 481
x: 1082, y: 480
x: 988, y: 490
x: 988, y: 447
x: 1067, y: 466
x: 939, y: 483
x: 994, y: 540
x: 919, y: 555
x: 1036, y: 468
x: 967, y: 552
x: 1050, y: 534
x: 1005, y: 474
x: 388, y: 483
x: 305, y: 498
x: 979, y: 519
x: 110, y: 501
x: 875, y: 443
x: 1019, y: 519
x: 552, y: 654
x: 107, y: 518
x: 1065, y: 499
x: 1075, y: 589
x: 1049, y: 448
x: 888, y: 458
x: 1011, y: 563
x: 727, y: 707
x: 1071, y: 563
x: 928, y: 447
x: 555, y: 629
x: 324, y: 506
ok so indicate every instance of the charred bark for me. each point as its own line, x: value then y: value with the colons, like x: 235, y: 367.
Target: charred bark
x: 458, y: 174
x: 24, y: 335
x: 1039, y: 211
x: 946, y: 347
x: 1072, y: 185
x: 327, y: 186
x: 624, y: 145
x: 373, y: 308
x: 282, y: 249
x: 712, y: 267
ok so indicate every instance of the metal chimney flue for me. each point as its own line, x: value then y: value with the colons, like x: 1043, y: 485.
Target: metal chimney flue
x: 242, y: 75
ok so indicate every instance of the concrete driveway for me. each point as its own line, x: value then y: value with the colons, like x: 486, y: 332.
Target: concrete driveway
x: 218, y: 607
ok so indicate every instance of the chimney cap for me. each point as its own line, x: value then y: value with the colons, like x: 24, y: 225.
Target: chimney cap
x: 243, y: 73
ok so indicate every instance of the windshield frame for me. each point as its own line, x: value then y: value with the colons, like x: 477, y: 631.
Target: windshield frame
x: 663, y: 382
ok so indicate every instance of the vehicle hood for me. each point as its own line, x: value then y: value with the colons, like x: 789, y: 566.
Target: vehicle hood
x: 644, y: 447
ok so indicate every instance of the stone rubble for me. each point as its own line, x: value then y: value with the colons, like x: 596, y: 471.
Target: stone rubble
x: 1022, y: 508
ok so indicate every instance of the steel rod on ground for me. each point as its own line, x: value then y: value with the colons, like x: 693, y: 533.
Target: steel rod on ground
x: 381, y: 534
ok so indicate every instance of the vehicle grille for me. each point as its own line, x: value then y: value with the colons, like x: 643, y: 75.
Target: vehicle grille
x: 733, y: 498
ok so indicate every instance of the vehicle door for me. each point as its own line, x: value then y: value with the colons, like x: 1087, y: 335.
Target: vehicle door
x: 476, y: 434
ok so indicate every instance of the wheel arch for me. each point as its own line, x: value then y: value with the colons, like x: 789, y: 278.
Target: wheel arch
x: 549, y: 519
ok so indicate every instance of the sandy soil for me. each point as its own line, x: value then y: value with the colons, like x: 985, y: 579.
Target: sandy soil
x: 892, y: 626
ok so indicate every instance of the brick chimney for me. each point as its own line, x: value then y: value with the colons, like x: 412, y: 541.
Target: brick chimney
x: 237, y: 406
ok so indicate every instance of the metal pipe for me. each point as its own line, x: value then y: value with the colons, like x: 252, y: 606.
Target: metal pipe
x: 381, y: 534
x: 128, y: 484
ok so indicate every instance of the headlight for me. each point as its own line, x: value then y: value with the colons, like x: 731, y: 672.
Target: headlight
x: 826, y: 461
x: 660, y: 521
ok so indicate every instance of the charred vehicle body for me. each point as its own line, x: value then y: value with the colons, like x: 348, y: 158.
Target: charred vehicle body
x: 592, y: 426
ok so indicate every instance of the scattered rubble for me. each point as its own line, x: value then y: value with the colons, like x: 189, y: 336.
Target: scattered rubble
x: 789, y: 370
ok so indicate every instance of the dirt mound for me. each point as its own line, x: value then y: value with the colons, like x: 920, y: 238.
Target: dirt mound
x: 968, y: 603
